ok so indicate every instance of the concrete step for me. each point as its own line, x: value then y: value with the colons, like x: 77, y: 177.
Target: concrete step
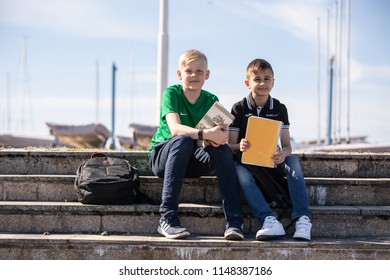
x: 40, y: 218
x: 200, y: 219
x: 322, y: 191
x: 331, y: 165
x: 153, y: 247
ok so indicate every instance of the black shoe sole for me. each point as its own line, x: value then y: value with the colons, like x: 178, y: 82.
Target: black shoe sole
x: 268, y: 237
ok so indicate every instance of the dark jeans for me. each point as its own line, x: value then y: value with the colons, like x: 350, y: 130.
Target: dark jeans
x: 180, y: 157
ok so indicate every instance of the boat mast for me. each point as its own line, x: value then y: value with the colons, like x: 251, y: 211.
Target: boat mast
x: 97, y: 91
x: 348, y: 46
x: 319, y: 80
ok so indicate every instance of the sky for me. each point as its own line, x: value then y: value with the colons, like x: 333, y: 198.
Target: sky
x: 56, y: 60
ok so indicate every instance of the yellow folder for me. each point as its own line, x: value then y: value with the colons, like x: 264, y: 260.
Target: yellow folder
x: 263, y: 135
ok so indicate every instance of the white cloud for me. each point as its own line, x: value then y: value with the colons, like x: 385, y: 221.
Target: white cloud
x: 296, y: 17
x: 368, y: 73
x: 84, y: 18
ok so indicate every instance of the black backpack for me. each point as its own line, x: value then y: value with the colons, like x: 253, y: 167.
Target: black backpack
x: 108, y: 180
x: 273, y: 186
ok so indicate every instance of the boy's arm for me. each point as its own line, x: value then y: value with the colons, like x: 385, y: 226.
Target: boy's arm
x: 286, y: 142
x: 177, y: 128
x: 280, y: 155
x: 218, y: 134
x: 233, y: 141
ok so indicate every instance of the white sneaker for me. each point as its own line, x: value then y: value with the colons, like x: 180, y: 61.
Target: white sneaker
x: 303, y: 228
x: 272, y: 228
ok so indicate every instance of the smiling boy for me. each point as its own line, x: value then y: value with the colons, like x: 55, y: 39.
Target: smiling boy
x: 260, y: 81
x: 180, y: 150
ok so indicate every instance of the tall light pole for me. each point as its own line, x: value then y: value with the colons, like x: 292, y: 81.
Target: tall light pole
x: 162, y: 54
x: 112, y: 142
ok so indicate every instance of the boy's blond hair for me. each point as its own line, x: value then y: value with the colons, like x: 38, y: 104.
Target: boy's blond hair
x: 256, y: 65
x: 191, y: 55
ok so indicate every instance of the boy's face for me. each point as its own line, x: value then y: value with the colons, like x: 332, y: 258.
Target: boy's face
x: 193, y: 74
x: 260, y: 82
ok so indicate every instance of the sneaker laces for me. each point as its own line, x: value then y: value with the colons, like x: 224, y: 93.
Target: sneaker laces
x: 171, y: 219
x: 303, y: 223
x: 234, y: 225
x: 269, y: 222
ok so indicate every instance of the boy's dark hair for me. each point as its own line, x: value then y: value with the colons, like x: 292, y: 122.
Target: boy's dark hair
x: 258, y: 64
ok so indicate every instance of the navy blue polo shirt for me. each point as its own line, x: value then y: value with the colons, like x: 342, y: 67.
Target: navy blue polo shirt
x: 245, y: 108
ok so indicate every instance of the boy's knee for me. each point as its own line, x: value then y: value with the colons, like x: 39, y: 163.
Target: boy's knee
x: 183, y: 142
x: 292, y: 160
x: 225, y: 150
x: 294, y: 163
x: 222, y: 153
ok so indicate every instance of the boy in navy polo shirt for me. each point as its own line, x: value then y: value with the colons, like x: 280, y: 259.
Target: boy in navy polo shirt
x: 260, y: 81
x: 180, y: 150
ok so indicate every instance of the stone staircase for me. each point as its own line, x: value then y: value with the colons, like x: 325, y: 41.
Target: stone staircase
x: 41, y: 219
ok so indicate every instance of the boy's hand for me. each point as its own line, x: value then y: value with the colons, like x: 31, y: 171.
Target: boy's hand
x: 279, y: 157
x: 217, y: 135
x: 244, y: 145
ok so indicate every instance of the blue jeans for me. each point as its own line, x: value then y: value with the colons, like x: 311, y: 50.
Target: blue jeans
x: 179, y: 157
x: 292, y: 170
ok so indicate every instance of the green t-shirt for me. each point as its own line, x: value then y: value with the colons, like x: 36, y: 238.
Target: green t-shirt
x: 174, y: 101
